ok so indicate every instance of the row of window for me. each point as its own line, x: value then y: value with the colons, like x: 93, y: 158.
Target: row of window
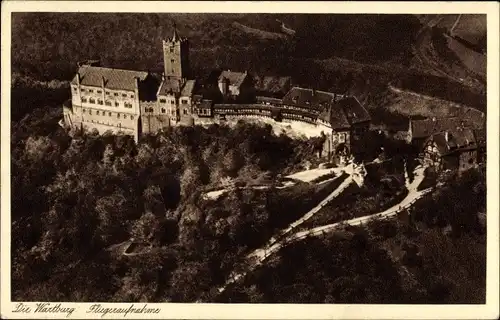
x: 75, y: 89
x: 183, y: 101
x: 110, y: 114
x: 243, y: 110
x: 202, y: 111
x: 107, y: 103
x: 164, y: 111
x: 295, y: 116
x: 296, y: 108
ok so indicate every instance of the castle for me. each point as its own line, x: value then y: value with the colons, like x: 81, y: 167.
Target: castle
x: 138, y: 102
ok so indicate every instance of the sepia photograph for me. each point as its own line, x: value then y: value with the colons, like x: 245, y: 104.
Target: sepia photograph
x: 246, y: 158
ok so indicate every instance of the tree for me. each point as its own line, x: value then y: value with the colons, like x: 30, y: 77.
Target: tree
x: 189, y: 281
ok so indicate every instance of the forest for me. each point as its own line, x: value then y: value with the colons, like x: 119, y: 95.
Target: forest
x: 75, y: 197
x: 48, y: 45
x: 75, y: 200
x: 436, y: 255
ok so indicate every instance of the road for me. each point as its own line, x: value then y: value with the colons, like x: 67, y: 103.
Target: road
x: 258, y: 256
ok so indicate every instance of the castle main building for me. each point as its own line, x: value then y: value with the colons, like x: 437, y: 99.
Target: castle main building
x: 138, y: 102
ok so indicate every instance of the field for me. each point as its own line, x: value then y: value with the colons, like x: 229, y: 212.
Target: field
x: 471, y: 59
x: 410, y: 103
x: 470, y: 27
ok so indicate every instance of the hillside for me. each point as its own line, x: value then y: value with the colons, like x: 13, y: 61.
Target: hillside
x: 109, y: 219
x: 453, y: 46
x: 357, y: 53
x: 48, y: 45
x: 471, y: 27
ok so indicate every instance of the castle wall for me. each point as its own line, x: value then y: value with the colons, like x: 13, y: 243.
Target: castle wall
x: 103, y: 128
x: 154, y: 123
x: 185, y: 106
x: 467, y: 159
x: 154, y: 116
x: 334, y: 143
x: 108, y: 99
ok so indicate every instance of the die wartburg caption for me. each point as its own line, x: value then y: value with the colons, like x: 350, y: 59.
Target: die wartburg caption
x: 248, y: 158
x: 94, y: 309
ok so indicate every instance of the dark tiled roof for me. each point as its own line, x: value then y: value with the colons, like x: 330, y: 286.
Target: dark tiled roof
x: 271, y: 84
x: 353, y: 110
x: 268, y: 99
x: 188, y: 88
x: 235, y: 78
x: 113, y: 78
x: 336, y: 109
x: 336, y: 119
x: 427, y: 127
x: 309, y: 99
x: 454, y: 140
x: 197, y: 98
x: 170, y: 86
x: 344, y: 113
x: 206, y: 104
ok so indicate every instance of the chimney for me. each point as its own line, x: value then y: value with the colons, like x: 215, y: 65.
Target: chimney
x: 103, y: 82
x: 136, y: 82
x: 78, y: 79
x: 136, y: 95
x: 313, y: 92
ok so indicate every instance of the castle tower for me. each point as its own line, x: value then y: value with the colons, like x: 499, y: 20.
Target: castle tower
x: 176, y: 57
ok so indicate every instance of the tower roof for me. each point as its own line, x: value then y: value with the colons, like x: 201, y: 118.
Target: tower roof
x: 175, y: 36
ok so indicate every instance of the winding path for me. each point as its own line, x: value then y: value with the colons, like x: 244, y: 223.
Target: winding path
x: 347, y: 181
x: 258, y: 256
